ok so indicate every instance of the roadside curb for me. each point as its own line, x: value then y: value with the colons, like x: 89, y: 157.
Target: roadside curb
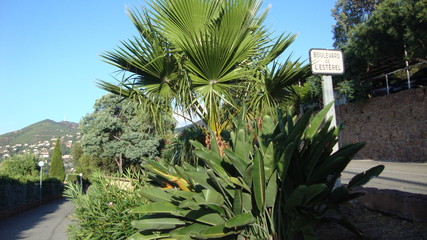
x: 402, y: 204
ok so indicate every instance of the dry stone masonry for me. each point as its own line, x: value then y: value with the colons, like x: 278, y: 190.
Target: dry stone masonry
x: 394, y: 127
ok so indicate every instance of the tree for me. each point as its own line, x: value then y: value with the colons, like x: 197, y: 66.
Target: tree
x: 115, y: 132
x: 395, y: 30
x: 348, y: 14
x: 76, y: 153
x: 56, y: 169
x: 395, y: 26
x: 20, y: 165
x: 204, y: 59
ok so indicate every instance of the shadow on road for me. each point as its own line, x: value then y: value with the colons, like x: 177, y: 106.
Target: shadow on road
x: 23, y: 225
x: 392, y: 179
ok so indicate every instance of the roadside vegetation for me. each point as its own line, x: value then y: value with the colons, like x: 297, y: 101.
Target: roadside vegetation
x: 20, y: 182
x: 254, y: 167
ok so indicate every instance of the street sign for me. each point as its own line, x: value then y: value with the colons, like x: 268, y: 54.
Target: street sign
x: 326, y: 62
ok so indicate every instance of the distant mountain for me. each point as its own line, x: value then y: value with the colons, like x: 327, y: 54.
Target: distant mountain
x: 181, y: 129
x: 41, y: 131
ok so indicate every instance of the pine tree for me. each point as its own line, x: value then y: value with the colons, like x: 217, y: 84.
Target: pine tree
x: 56, y: 164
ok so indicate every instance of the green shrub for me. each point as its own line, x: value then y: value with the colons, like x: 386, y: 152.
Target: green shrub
x: 103, y: 212
x: 20, y: 165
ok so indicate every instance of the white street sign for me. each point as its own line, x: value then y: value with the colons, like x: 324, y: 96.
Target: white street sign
x: 326, y: 62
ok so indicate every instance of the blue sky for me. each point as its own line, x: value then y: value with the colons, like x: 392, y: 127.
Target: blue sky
x: 49, y: 51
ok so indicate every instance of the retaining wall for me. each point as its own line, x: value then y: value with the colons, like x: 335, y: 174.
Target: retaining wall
x: 394, y: 127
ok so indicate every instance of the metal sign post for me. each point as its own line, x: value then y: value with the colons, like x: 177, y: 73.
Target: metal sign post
x: 326, y: 63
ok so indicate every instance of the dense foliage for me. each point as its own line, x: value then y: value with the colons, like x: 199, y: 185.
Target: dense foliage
x: 103, y: 211
x: 370, y: 32
x: 348, y: 14
x: 19, y: 166
x: 274, y: 182
x: 19, y: 182
x: 57, y: 169
x: 116, y: 133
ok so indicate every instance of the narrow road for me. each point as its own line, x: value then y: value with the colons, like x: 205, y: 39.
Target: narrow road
x: 406, y: 177
x: 47, y: 222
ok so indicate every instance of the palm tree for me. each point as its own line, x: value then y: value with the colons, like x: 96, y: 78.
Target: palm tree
x: 204, y: 58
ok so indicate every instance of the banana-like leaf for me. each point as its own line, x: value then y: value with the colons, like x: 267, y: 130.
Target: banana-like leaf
x: 336, y: 163
x: 297, y: 131
x: 200, y: 178
x: 364, y: 177
x: 316, y: 151
x: 240, y: 220
x: 139, y: 236
x: 315, y: 122
x: 218, y: 231
x: 341, y: 195
x: 259, y: 181
x: 155, y: 222
x: 155, y: 194
x: 239, y: 182
x: 189, y: 231
x: 238, y: 163
x: 268, y: 125
x: 302, y: 195
x: 159, y: 170
x: 213, y: 197
x: 238, y: 201
x: 269, y: 163
x: 212, y: 160
x: 271, y: 190
x: 285, y: 159
x: 242, y: 146
x: 203, y: 216
x: 156, y: 207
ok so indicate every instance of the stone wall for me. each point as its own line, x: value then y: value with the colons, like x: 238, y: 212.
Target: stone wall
x: 394, y: 127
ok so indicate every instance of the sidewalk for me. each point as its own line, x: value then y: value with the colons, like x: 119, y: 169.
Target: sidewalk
x: 46, y: 222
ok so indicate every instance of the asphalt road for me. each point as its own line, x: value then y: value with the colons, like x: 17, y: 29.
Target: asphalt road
x: 406, y: 177
x: 47, y: 222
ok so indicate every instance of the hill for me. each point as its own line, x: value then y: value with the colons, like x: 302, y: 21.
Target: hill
x: 41, y: 131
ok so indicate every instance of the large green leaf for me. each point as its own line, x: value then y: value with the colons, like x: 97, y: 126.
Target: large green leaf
x: 259, y: 181
x: 240, y: 220
x: 364, y: 177
x: 271, y: 190
x: 315, y: 122
x: 192, y: 230
x: 139, y: 236
x: 238, y: 162
x: 155, y: 194
x: 218, y: 231
x: 302, y: 196
x: 284, y: 159
x: 213, y: 197
x: 269, y: 163
x: 156, y: 207
x: 203, y: 216
x: 155, y: 222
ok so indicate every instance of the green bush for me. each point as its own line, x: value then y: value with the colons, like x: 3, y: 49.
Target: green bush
x: 103, y: 212
x: 20, y: 166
